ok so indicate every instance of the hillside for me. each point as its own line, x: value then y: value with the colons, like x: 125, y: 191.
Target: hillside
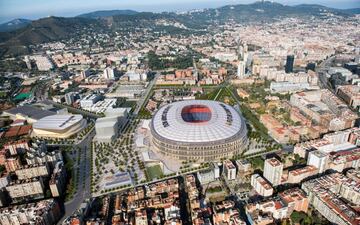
x: 352, y: 11
x: 14, y: 25
x: 41, y: 31
x: 261, y: 12
x: 57, y: 28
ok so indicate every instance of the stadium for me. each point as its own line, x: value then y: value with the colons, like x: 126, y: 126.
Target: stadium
x: 58, y: 126
x: 198, y: 130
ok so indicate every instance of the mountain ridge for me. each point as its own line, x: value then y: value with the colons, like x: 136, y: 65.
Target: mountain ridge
x: 14, y: 24
x: 50, y: 29
x: 107, y: 13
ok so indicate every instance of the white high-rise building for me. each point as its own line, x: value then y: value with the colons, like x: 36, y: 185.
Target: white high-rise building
x: 318, y: 159
x: 273, y: 169
x: 109, y: 73
x: 357, y: 59
x: 357, y: 55
x: 229, y: 170
x: 243, y: 57
x: 245, y: 54
x: 241, y: 70
x: 143, y: 77
x: 216, y: 170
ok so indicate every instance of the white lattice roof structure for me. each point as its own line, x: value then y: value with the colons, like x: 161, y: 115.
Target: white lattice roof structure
x: 197, y: 121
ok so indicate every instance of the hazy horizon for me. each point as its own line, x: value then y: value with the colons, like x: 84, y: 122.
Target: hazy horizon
x: 24, y: 9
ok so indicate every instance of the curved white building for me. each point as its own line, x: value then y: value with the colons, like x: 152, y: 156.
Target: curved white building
x: 59, y: 126
x: 198, y: 129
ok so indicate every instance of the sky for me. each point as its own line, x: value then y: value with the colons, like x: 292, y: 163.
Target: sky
x: 34, y: 9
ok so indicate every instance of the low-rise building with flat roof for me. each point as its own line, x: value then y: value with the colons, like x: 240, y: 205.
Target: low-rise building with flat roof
x: 298, y: 175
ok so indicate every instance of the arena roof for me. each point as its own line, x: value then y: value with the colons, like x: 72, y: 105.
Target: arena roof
x: 197, y: 121
x: 57, y: 122
x: 30, y: 111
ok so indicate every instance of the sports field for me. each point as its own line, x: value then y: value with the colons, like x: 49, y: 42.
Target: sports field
x: 154, y: 172
x: 23, y: 96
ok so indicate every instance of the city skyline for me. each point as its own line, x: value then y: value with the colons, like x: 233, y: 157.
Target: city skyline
x: 10, y: 10
x: 230, y: 112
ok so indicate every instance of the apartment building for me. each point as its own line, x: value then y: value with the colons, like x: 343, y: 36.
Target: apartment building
x: 31, y: 171
x: 229, y: 170
x: 46, y: 212
x: 273, y: 169
x: 23, y: 189
x: 261, y: 186
x: 327, y: 194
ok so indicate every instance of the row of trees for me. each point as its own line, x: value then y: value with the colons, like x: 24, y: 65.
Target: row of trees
x: 120, y: 153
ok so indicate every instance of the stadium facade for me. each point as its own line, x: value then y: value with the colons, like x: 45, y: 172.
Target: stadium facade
x: 200, y: 130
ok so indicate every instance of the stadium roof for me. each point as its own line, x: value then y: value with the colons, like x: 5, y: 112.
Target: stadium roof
x: 197, y: 121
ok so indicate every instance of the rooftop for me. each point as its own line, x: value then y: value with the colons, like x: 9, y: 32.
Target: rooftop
x: 306, y: 169
x: 228, y: 164
x: 274, y: 162
x: 57, y: 122
x: 263, y: 182
x: 30, y: 111
x: 197, y: 121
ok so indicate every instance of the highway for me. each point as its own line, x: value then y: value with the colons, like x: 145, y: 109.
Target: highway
x: 83, y: 191
x: 143, y: 98
x: 84, y: 180
x: 321, y: 70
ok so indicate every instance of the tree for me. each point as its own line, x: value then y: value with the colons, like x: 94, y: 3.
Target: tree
x: 300, y: 217
x: 2, y: 169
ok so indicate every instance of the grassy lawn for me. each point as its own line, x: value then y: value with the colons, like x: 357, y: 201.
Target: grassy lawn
x: 22, y: 96
x: 154, y: 172
x: 208, y: 94
x: 219, y: 94
x: 257, y: 162
x: 251, y: 117
x: 214, y: 189
x: 226, y: 97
